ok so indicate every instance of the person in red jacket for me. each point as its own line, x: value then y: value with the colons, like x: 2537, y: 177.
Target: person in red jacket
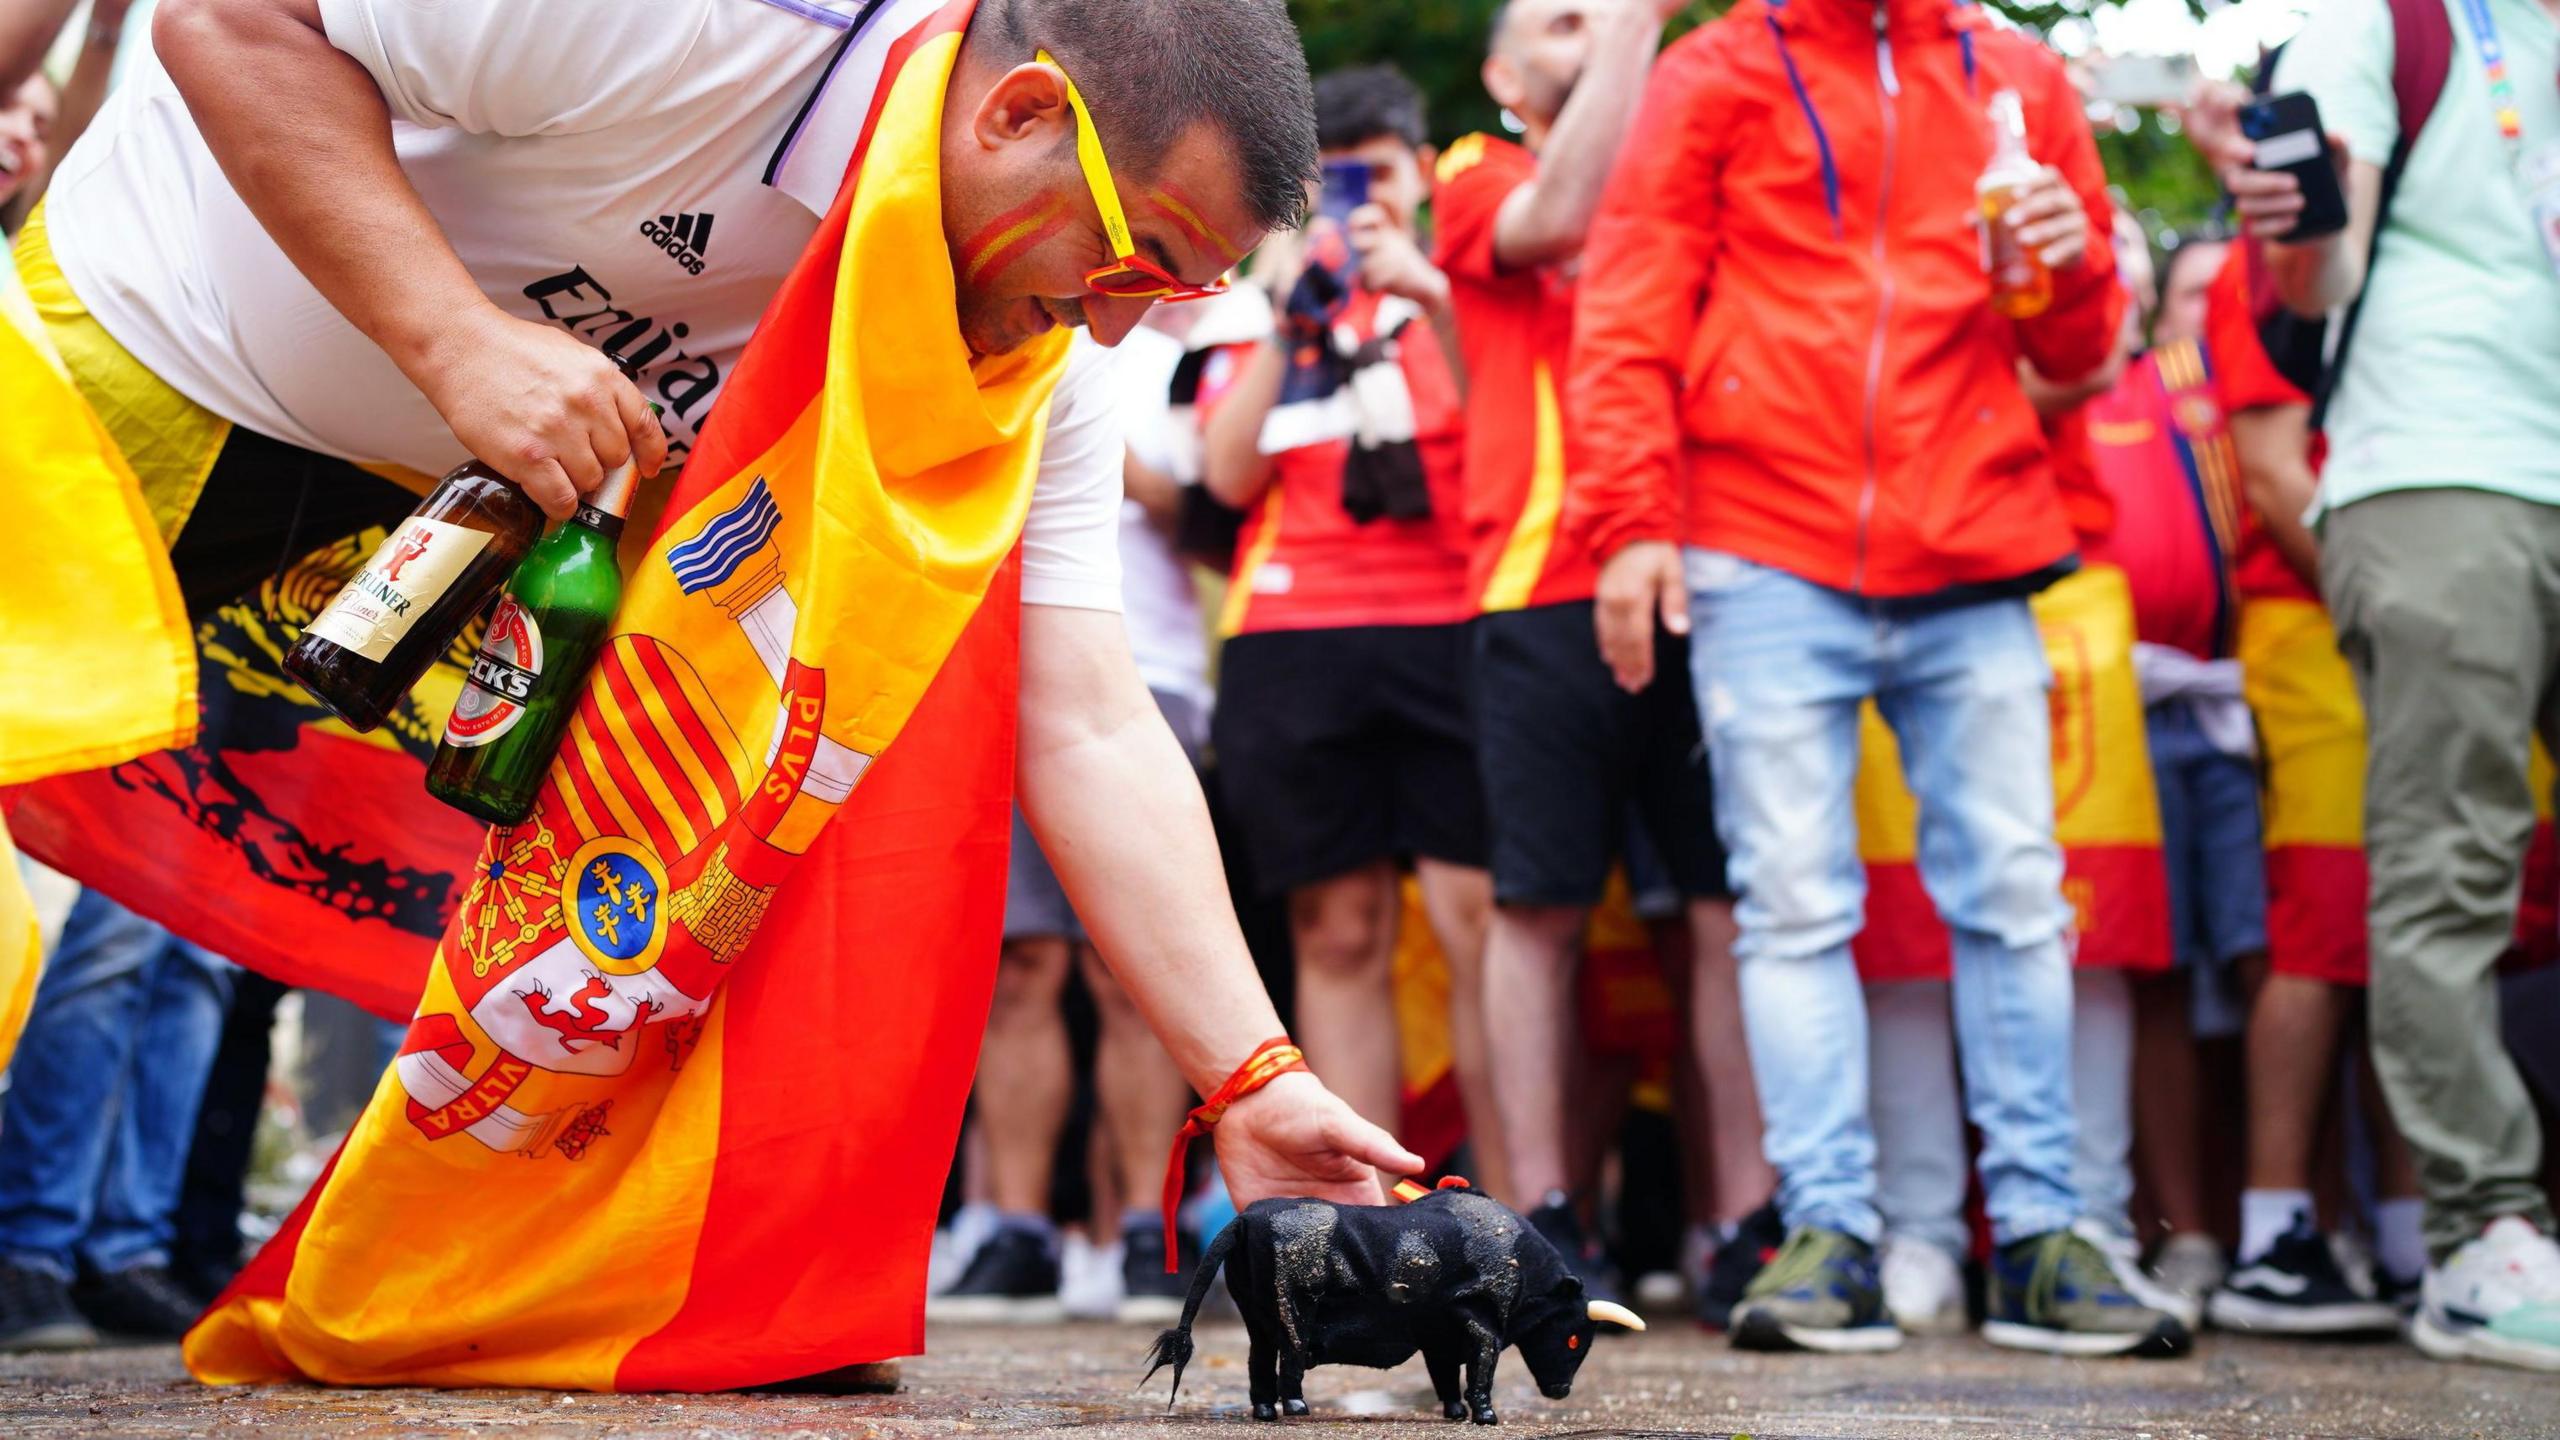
x: 1575, y: 772
x: 1801, y: 435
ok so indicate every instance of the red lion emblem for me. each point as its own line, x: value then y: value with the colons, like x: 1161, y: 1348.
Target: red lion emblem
x: 585, y: 1021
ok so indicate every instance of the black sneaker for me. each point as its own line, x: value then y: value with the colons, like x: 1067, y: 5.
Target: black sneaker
x: 2296, y: 1288
x: 36, y: 1313
x: 141, y: 1302
x: 1148, y: 1295
x: 1737, y: 1263
x: 1555, y: 1219
x: 1013, y: 1279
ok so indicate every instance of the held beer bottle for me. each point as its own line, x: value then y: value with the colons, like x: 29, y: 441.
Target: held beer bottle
x: 533, y: 666
x: 2021, y: 286
x: 380, y: 633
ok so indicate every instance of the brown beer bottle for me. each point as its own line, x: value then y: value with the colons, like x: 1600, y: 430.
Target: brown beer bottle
x: 401, y: 611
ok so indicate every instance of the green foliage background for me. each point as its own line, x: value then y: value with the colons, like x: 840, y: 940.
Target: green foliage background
x: 1440, y: 43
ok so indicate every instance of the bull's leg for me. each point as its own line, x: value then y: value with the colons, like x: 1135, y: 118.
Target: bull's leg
x: 1444, y: 1366
x: 1480, y: 1372
x: 1262, y: 1374
x: 1293, y: 1379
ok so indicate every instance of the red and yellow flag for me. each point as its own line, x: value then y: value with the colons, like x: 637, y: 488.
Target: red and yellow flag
x: 603, y: 1160
x: 2311, y: 728
x: 2106, y: 809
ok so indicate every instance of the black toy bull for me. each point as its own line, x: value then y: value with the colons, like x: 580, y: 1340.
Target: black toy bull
x: 1453, y: 1275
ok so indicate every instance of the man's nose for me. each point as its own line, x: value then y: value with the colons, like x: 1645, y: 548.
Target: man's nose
x: 1109, y: 318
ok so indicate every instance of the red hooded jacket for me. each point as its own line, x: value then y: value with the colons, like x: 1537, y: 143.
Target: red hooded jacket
x: 1784, y: 346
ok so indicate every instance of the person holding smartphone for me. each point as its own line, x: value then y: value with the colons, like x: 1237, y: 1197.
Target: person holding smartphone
x: 1343, y: 742
x: 2438, y: 517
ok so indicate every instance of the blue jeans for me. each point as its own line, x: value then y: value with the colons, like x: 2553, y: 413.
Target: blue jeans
x: 1781, y: 666
x: 103, y: 1093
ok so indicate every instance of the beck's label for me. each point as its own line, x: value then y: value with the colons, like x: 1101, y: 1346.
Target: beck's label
x: 403, y: 580
x: 503, y: 677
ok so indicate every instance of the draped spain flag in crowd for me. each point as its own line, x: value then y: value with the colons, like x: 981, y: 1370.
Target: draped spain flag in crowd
x: 689, y: 1050
x: 2106, y: 811
x: 602, y: 1159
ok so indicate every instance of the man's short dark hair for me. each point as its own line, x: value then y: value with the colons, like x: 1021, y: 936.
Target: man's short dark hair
x: 1357, y: 104
x: 1151, y: 69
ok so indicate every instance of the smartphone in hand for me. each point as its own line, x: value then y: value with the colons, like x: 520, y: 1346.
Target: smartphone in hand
x: 1346, y: 188
x: 2289, y: 137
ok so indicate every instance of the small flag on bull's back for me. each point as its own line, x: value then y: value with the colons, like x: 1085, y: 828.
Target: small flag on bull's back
x: 689, y: 1065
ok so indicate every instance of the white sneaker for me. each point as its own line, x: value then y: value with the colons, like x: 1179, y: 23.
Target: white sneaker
x: 2191, y: 1265
x: 1923, y: 1287
x: 2124, y: 1257
x: 1089, y: 1284
x: 2497, y: 1299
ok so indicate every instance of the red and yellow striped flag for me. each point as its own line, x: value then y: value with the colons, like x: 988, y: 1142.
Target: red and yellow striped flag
x: 2106, y: 809
x: 677, y: 1103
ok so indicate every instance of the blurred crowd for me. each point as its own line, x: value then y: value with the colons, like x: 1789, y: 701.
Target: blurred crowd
x: 1875, y: 748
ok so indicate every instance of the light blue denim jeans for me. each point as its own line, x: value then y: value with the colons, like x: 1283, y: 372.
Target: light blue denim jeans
x: 1781, y: 666
x: 103, y: 1093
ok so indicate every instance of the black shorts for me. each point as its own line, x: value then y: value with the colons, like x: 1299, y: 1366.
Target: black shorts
x: 1339, y: 748
x: 1569, y: 758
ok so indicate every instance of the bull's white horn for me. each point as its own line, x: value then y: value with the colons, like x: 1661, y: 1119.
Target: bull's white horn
x: 1611, y: 1313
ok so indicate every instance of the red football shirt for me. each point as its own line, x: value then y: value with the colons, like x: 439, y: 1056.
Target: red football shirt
x: 2246, y: 379
x: 2164, y: 455
x: 1515, y: 328
x: 1302, y: 562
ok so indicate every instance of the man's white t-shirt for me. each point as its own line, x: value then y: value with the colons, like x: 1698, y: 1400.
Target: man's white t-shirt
x: 641, y: 173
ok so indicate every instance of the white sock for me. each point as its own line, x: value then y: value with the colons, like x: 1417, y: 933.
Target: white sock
x: 2400, y: 1239
x: 2264, y: 1216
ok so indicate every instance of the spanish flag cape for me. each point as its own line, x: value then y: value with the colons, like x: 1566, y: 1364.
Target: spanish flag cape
x: 594, y: 1164
x: 95, y: 664
x: 2106, y: 807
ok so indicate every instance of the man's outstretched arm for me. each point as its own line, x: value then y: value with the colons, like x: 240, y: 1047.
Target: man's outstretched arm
x: 303, y: 132
x: 1112, y: 799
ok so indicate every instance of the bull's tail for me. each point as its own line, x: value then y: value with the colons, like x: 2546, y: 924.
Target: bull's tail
x: 1173, y: 1347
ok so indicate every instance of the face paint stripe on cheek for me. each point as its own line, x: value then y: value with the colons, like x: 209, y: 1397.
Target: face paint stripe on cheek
x: 999, y: 245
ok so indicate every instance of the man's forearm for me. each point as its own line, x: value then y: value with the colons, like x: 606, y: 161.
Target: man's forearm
x: 1120, y: 817
x: 2273, y: 444
x: 1547, y: 220
x: 304, y: 136
x: 2317, y: 276
x: 1233, y: 467
x: 27, y: 28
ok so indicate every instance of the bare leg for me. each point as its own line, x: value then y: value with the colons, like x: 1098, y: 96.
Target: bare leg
x: 1744, y: 1181
x: 1531, y: 956
x: 1025, y: 1078
x: 1458, y: 901
x: 1142, y: 1094
x: 2164, y: 1099
x: 2293, y: 1050
x: 1691, y: 1116
x: 1345, y: 934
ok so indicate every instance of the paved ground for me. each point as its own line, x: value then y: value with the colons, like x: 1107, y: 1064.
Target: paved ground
x: 1670, y: 1385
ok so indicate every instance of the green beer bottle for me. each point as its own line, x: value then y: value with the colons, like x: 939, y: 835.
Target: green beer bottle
x: 532, y: 667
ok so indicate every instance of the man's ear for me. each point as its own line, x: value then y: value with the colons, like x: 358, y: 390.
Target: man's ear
x: 1501, y: 81
x: 1428, y: 157
x: 1027, y: 103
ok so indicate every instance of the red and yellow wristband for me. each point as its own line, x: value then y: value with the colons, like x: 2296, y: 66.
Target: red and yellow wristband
x: 1269, y: 1061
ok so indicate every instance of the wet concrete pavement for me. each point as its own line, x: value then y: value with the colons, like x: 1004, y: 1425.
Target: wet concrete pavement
x: 1669, y: 1385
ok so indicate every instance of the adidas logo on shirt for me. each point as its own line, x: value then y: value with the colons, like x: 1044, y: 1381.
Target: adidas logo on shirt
x: 686, y: 238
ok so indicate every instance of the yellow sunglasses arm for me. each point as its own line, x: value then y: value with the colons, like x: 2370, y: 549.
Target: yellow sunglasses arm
x: 1097, y: 167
